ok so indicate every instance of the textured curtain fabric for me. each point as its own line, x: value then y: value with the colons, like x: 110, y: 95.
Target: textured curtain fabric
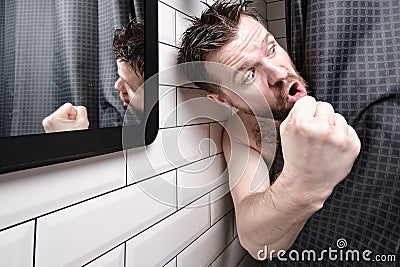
x: 53, y: 52
x: 349, y: 52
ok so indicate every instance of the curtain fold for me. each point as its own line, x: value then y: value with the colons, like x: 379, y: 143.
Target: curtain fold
x: 53, y: 52
x: 349, y: 52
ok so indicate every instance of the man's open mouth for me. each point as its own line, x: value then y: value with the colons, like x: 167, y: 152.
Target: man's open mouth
x: 296, y: 91
x: 124, y: 98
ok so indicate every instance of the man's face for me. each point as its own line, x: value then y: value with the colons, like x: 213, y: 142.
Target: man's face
x: 128, y: 84
x: 262, y: 61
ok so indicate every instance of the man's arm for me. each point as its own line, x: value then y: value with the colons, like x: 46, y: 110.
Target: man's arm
x: 319, y: 149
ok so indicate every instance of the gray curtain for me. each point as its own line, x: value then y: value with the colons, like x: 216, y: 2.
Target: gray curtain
x: 53, y: 52
x: 349, y: 52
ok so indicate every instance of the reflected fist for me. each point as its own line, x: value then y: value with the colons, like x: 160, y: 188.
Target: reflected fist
x: 66, y: 118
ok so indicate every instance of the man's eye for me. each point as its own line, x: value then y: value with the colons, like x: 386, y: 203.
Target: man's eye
x: 271, y: 49
x: 250, y: 75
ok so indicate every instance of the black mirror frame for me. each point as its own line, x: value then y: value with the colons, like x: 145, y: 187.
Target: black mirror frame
x: 29, y: 151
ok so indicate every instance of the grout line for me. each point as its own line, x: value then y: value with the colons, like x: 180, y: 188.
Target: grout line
x: 181, y: 86
x: 105, y: 253
x: 219, y: 254
x: 34, y: 242
x: 15, y: 225
x: 270, y: 2
x: 209, y: 206
x: 202, y: 234
x: 175, y: 41
x: 273, y: 20
x: 176, y: 106
x: 124, y: 254
x: 209, y: 139
x: 167, y: 44
x: 176, y: 190
x: 126, y: 168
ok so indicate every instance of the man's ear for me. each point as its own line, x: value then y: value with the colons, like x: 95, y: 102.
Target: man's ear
x: 219, y: 99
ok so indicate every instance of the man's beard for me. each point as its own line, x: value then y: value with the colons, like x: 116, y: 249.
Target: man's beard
x: 283, y: 107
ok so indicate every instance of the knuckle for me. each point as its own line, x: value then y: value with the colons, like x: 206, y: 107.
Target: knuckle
x: 325, y: 105
x: 325, y: 130
x: 342, y: 142
x: 356, y: 145
x: 339, y: 116
x: 340, y: 119
x: 45, y: 122
x: 300, y: 124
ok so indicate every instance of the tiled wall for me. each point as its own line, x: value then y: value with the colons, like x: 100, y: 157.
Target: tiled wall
x: 273, y: 11
x: 164, y: 205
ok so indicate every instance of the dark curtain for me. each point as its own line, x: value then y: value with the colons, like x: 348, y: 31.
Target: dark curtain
x: 349, y: 52
x: 53, y: 52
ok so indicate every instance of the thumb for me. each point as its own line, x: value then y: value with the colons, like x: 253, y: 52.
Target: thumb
x: 81, y: 112
x: 82, y: 116
x: 69, y: 110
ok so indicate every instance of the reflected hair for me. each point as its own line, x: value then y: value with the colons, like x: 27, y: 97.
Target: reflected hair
x: 216, y: 27
x: 129, y: 45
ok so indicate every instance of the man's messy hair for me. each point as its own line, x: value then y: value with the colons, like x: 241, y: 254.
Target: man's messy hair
x: 129, y: 45
x: 216, y: 27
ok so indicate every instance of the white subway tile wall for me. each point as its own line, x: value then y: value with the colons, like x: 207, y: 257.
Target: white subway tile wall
x: 164, y: 205
x: 16, y: 245
x: 276, y: 23
x: 231, y: 256
x: 221, y: 203
x: 113, y: 258
x: 204, y: 250
x: 261, y: 8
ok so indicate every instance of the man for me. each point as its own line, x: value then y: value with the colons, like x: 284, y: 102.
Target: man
x: 318, y: 146
x: 129, y: 54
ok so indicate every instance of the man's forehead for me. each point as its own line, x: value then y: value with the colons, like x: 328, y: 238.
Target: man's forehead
x: 125, y: 70
x: 249, y: 24
x: 248, y: 21
x: 246, y: 26
x: 124, y: 65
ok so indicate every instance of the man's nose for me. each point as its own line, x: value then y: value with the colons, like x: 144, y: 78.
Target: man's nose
x: 119, y: 85
x: 274, y: 72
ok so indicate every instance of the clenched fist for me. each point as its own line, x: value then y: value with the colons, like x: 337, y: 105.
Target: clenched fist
x: 319, y: 149
x: 66, y: 118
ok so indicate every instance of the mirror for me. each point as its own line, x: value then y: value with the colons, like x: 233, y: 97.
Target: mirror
x: 85, y: 59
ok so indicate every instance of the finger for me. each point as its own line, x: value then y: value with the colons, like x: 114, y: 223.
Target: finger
x: 68, y: 110
x: 304, y: 107
x: 356, y: 140
x: 82, y: 117
x: 341, y: 123
x: 325, y: 112
x: 81, y: 111
x: 67, y: 107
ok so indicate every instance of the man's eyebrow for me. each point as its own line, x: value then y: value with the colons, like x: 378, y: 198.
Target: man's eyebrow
x: 246, y: 64
x: 243, y: 66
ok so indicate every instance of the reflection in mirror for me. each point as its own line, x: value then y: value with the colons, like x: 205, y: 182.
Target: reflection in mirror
x: 60, y: 58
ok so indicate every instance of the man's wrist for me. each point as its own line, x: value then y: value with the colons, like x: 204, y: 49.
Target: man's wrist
x: 294, y: 198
